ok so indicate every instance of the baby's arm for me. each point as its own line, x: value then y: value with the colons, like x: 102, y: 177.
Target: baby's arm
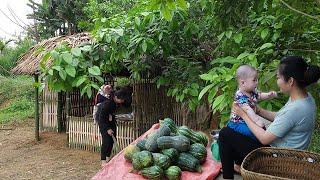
x: 268, y: 95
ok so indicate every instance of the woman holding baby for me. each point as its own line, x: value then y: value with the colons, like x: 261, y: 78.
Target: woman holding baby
x: 291, y: 126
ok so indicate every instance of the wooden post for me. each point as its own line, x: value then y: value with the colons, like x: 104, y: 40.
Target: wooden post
x: 36, y: 79
x: 59, y: 112
x: 67, y: 114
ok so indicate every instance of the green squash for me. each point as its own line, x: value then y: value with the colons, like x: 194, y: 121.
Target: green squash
x: 189, y: 163
x: 173, y: 173
x: 181, y: 143
x: 129, y: 151
x: 203, y: 138
x: 142, y: 160
x: 161, y: 160
x: 151, y: 143
x: 198, y: 151
x: 141, y: 144
x: 171, y: 153
x: 170, y: 123
x: 153, y: 172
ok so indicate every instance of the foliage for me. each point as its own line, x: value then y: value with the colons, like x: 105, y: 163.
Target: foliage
x: 19, y: 103
x: 314, y: 146
x: 95, y: 9
x: 62, y: 16
x: 10, y: 55
x: 194, y: 47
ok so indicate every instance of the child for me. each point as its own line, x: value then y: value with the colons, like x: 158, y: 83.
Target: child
x: 247, y: 96
x: 104, y: 93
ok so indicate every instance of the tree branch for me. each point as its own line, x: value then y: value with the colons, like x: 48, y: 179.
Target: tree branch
x: 300, y: 12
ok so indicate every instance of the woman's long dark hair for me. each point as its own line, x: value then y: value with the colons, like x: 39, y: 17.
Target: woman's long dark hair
x: 124, y: 93
x: 297, y: 68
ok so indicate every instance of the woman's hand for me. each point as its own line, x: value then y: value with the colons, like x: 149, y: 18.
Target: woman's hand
x: 236, y: 109
x: 110, y: 132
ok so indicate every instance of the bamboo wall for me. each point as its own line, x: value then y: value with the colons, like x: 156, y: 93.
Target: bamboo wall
x: 84, y: 134
x: 49, y: 110
x: 151, y: 104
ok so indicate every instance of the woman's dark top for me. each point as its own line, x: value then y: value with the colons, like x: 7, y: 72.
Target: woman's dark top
x: 105, y: 109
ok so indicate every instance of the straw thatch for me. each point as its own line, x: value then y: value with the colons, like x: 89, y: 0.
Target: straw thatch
x: 29, y: 62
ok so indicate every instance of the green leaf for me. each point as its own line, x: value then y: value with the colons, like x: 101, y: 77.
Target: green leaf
x: 44, y: 60
x: 144, y: 46
x: 269, y: 51
x: 58, y: 68
x: 228, y: 59
x: 80, y: 80
x: 221, y: 36
x: 137, y: 21
x: 86, y: 48
x: 182, y: 4
x: 195, y: 86
x: 166, y: 13
x: 228, y: 34
x: 212, y: 93
x: 89, y: 92
x: 238, y: 38
x: 50, y: 72
x: 266, y: 45
x: 71, y: 71
x: 95, y: 86
x: 217, y: 101
x: 54, y: 54
x: 278, y: 25
x: 100, y: 79
x: 243, y: 55
x: 63, y: 74
x: 95, y: 70
x: 275, y: 36
x: 171, y: 5
x: 194, y: 92
x: 67, y: 57
x: 228, y: 77
x: 205, y: 90
x: 160, y: 36
x: 264, y: 33
x: 118, y: 31
x: 76, y: 51
x: 206, y: 77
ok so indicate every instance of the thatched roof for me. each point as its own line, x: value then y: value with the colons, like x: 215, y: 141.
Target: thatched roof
x: 29, y: 62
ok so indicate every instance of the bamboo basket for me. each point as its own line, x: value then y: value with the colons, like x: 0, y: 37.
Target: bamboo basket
x: 268, y: 163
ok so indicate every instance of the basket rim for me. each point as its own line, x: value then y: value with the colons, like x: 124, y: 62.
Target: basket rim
x: 275, y: 149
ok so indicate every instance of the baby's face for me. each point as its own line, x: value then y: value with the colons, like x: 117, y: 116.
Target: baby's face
x: 250, y: 83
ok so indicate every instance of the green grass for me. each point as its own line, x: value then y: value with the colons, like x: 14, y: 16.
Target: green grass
x: 16, y: 98
x: 315, y: 142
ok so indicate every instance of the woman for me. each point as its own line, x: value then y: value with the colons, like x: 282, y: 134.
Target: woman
x: 291, y: 126
x: 107, y: 126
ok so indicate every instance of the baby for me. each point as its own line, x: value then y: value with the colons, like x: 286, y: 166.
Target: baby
x: 247, y: 95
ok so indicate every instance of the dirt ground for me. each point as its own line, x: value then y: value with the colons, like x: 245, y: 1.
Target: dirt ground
x: 23, y: 158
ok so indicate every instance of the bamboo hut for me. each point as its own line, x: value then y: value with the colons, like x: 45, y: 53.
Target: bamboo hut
x: 71, y: 113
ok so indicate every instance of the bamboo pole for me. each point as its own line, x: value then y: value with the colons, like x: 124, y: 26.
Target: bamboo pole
x: 67, y: 110
x: 59, y: 112
x: 36, y: 79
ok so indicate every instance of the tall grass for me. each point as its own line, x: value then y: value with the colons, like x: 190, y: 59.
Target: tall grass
x: 16, y: 98
x: 10, y: 55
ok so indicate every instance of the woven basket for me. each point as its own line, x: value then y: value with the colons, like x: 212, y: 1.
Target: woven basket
x: 275, y: 163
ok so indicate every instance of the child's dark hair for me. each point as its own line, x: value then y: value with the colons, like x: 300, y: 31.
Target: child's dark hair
x: 297, y: 68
